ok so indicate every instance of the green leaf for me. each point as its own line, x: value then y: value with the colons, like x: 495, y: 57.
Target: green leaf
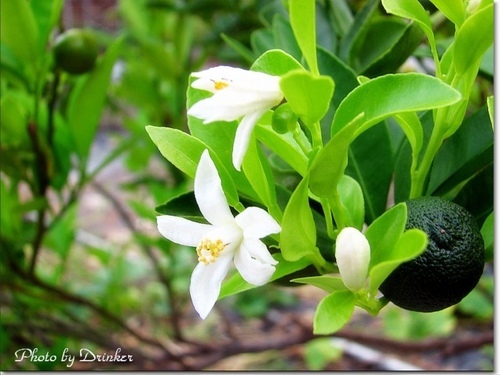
x: 384, y: 232
x: 387, y: 44
x: 357, y: 31
x: 333, y: 312
x: 490, y: 101
x: 47, y: 14
x: 284, y: 146
x: 351, y: 197
x: 179, y: 148
x: 275, y: 62
x: 236, y: 284
x: 454, y: 10
x: 343, y: 75
x: 19, y: 31
x: 183, y: 205
x: 309, y: 96
x: 303, y: 21
x: 473, y: 39
x: 488, y: 233
x: 243, y: 50
x: 395, y: 93
x: 463, y: 155
x: 259, y: 174
x: 283, y: 36
x: 411, y: 126
x: 184, y: 152
x: 413, y: 10
x: 326, y: 282
x: 409, y: 245
x: 298, y: 233
x: 329, y: 166
x: 374, y: 175
x: 88, y: 99
x: 479, y: 205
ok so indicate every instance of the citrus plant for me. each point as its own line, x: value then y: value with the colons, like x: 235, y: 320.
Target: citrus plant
x: 332, y: 113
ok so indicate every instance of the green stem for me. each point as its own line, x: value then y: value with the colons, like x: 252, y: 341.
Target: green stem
x: 330, y: 229
x: 298, y: 136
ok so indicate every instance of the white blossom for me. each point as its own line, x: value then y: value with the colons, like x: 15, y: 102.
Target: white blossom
x: 224, y: 240
x: 238, y: 93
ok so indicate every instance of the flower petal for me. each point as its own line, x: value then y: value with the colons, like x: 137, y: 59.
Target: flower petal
x: 209, y: 194
x: 182, y: 231
x: 252, y: 270
x: 352, y: 252
x: 206, y: 283
x: 226, y: 106
x: 242, y: 137
x: 258, y: 250
x: 256, y: 223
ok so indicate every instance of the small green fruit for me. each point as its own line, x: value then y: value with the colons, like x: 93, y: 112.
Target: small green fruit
x: 75, y: 51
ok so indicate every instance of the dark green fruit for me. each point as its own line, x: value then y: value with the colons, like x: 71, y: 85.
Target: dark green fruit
x: 75, y: 51
x: 449, y: 268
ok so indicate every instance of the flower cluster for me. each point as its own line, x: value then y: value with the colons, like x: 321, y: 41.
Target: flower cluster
x: 226, y: 239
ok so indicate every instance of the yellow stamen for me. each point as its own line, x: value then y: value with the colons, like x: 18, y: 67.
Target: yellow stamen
x: 209, y: 250
x: 219, y: 85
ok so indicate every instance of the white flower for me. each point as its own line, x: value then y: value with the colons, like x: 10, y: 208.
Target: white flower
x: 352, y: 252
x: 238, y: 93
x: 224, y: 240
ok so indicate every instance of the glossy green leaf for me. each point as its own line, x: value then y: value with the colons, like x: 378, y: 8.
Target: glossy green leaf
x: 88, y: 99
x: 309, y: 96
x: 329, y: 166
x: 298, y: 231
x: 275, y: 62
x: 184, y: 152
x: 413, y: 10
x: 463, y: 155
x: 284, y: 146
x: 259, y: 174
x: 394, y: 93
x: 236, y: 284
x: 326, y: 282
x: 387, y: 44
x: 374, y: 175
x: 303, y: 21
x: 183, y: 205
x: 480, y: 205
x: 351, y: 197
x: 409, y: 245
x: 454, y: 10
x: 358, y: 28
x: 333, y: 312
x: 384, y: 232
x: 284, y: 38
x: 473, y: 39
x: 343, y: 75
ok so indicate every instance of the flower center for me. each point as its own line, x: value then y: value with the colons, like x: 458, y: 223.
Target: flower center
x: 209, y: 250
x: 219, y: 85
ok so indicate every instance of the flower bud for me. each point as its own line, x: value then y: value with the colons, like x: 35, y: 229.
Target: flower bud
x: 352, y: 252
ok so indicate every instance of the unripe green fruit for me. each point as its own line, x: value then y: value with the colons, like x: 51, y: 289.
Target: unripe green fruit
x: 75, y: 51
x: 449, y: 268
x: 284, y: 119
